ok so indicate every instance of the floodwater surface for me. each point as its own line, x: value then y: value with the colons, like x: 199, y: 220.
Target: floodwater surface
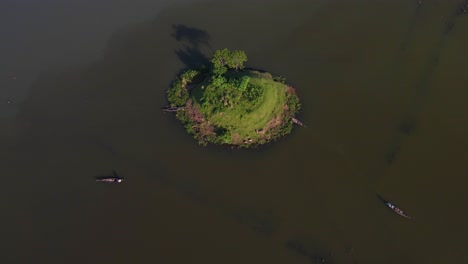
x: 383, y: 86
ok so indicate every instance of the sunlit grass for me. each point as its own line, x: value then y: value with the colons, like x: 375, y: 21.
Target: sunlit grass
x: 238, y: 120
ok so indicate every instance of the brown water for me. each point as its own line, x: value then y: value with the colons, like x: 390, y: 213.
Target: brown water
x: 384, y: 88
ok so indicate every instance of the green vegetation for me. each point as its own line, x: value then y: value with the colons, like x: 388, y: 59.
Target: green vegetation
x: 224, y: 104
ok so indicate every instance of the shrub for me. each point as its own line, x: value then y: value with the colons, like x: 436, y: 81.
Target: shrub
x: 177, y: 95
x: 279, y: 79
x: 244, y: 82
x: 189, y: 75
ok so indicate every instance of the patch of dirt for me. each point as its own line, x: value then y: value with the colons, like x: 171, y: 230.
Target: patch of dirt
x: 204, y: 128
x: 275, y: 122
x: 291, y: 90
x: 236, y: 139
x: 194, y: 112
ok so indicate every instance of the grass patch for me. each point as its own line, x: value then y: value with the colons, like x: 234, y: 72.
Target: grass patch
x: 246, y: 123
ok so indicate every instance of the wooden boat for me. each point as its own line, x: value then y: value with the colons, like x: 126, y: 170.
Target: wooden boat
x: 109, y: 179
x: 296, y: 121
x: 172, y: 109
x: 394, y: 208
x: 397, y: 210
x: 114, y: 178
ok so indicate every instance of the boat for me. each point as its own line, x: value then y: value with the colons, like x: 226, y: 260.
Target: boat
x: 114, y: 178
x: 397, y: 210
x: 394, y: 208
x: 296, y: 121
x: 109, y: 179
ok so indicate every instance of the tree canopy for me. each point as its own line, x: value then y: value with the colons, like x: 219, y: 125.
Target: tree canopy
x: 237, y: 59
x: 229, y: 59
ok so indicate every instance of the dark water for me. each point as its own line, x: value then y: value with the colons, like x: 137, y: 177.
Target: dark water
x: 384, y: 88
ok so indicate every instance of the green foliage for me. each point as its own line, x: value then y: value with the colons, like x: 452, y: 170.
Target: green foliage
x: 237, y: 59
x: 221, y: 58
x: 230, y: 59
x: 243, y: 110
x: 223, y: 135
x: 279, y: 79
x: 227, y: 106
x: 183, y: 117
x: 239, y: 83
x: 177, y: 95
x: 253, y: 93
x: 244, y: 83
x: 293, y: 103
x: 218, y: 81
x: 219, y: 71
x: 189, y: 75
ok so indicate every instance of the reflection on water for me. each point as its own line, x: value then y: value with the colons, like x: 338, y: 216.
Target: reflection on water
x: 383, y: 87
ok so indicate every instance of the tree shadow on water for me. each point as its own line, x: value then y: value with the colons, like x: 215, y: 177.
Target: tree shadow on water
x: 191, y: 57
x: 407, y: 127
x: 194, y: 36
x: 194, y: 40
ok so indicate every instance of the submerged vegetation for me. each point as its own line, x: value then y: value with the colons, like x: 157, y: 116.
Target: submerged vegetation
x: 222, y: 103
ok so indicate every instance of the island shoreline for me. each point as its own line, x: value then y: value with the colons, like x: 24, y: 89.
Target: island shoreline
x: 235, y: 107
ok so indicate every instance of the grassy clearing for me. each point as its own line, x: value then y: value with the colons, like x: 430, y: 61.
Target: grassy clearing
x: 245, y: 124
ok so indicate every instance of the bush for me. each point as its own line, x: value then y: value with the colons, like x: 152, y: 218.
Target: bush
x: 244, y: 82
x: 253, y: 93
x: 177, y: 95
x: 279, y: 79
x: 218, y: 81
x: 293, y: 103
x: 189, y: 75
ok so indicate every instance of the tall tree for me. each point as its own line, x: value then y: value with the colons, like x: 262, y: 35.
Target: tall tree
x: 221, y: 58
x: 237, y: 59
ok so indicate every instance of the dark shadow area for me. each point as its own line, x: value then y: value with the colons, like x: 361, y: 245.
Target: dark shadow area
x: 423, y: 86
x: 407, y: 127
x: 390, y: 157
x: 462, y: 8
x: 381, y: 198
x: 191, y: 57
x: 194, y: 40
x: 194, y: 36
x: 314, y: 256
x: 408, y: 36
x: 113, y: 176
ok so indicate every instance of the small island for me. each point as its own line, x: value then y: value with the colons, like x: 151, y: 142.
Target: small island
x: 224, y: 103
